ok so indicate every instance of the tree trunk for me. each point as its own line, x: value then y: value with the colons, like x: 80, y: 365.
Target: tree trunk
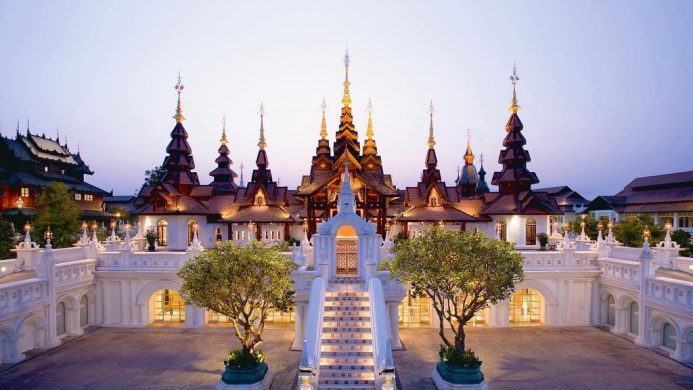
x: 459, y: 340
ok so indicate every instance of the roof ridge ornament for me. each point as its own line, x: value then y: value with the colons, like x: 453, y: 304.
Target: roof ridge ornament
x: 346, y: 99
x: 179, y: 109
x: 468, y: 155
x: 369, y: 129
x: 323, y: 125
x: 223, y: 139
x: 261, y: 143
x: 431, y: 139
x: 514, y: 78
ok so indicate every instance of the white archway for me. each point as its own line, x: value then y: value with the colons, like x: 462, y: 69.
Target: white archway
x: 32, y: 332
x: 144, y: 298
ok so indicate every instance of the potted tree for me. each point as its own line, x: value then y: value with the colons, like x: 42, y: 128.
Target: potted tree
x: 244, y: 284
x: 462, y: 273
x: 150, y: 237
x: 543, y: 239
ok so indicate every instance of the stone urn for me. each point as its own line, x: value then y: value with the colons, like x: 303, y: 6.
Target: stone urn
x: 257, y: 377
x: 452, y: 377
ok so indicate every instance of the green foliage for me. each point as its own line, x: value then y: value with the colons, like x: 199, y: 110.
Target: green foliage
x: 240, y: 358
x: 631, y: 231
x: 153, y: 176
x: 6, y: 239
x: 543, y: 239
x: 591, y: 225
x: 119, y: 212
x: 465, y: 359
x: 242, y: 283
x: 683, y: 238
x: 56, y: 209
x: 461, y: 272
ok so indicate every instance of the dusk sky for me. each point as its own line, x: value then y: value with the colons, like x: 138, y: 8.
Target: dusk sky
x: 606, y: 87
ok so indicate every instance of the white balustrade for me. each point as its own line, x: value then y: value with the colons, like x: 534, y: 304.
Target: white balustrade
x: 9, y: 266
x: 74, y: 272
x: 383, y: 365
x: 627, y: 271
x: 309, y: 366
x: 673, y: 292
x: 22, y: 293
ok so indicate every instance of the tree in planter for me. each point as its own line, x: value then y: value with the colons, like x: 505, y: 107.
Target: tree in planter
x: 462, y: 273
x: 543, y: 239
x: 244, y: 284
x: 56, y: 209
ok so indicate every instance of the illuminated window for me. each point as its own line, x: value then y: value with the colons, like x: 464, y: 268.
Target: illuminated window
x: 215, y: 318
x: 526, y: 308
x: 433, y: 202
x: 259, y: 200
x: 531, y: 232
x: 415, y: 312
x: 218, y: 236
x: 83, y: 312
x: 60, y: 318
x: 502, y: 230
x: 243, y: 235
x: 611, y: 310
x: 277, y: 318
x: 191, y: 231
x: 634, y: 310
x: 45, y: 168
x: 669, y: 336
x: 162, y: 233
x: 24, y: 192
x: 88, y: 197
x: 169, y: 307
x: 78, y: 196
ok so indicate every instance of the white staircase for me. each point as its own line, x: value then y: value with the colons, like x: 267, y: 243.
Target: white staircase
x: 346, y: 353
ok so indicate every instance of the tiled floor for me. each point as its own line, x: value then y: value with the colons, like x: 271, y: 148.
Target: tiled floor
x: 514, y: 358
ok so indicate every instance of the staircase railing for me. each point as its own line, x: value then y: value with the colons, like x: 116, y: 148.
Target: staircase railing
x: 383, y: 365
x: 309, y: 366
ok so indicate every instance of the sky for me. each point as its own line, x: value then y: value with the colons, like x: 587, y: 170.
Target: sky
x: 606, y: 87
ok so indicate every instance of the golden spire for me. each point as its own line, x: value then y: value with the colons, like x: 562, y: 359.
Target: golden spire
x: 223, y: 139
x: 369, y: 130
x: 323, y: 126
x: 513, y: 79
x: 469, y: 156
x: 179, y: 110
x: 346, y: 100
x: 262, y: 144
x: 431, y: 140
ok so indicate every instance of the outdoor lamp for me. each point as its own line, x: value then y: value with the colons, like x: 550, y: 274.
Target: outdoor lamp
x: 27, y: 227
x: 646, y: 232
x: 600, y: 226
x: 128, y: 226
x: 582, y: 224
x: 566, y: 227
x: 94, y: 226
x: 117, y: 215
x: 84, y: 225
x: 113, y: 224
x: 667, y: 225
x: 48, y: 234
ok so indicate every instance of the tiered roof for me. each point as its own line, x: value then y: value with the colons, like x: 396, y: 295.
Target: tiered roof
x: 223, y: 175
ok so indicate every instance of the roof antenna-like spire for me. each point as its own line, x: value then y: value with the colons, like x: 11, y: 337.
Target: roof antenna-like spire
x: 431, y: 140
x: 27, y: 127
x: 78, y: 148
x: 57, y: 134
x: 241, y: 183
x: 369, y: 130
x: 17, y: 128
x: 179, y: 110
x: 346, y: 99
x: 514, y: 79
x: 223, y: 139
x: 323, y: 126
x: 262, y: 144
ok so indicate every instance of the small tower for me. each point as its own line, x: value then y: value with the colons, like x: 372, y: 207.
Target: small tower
x: 469, y: 178
x: 322, y: 159
x: 370, y: 159
x: 431, y: 175
x: 223, y: 182
x: 262, y: 174
x: 482, y: 186
x: 347, y: 204
x: 346, y: 145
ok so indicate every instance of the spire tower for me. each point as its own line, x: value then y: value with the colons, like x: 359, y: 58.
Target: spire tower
x: 469, y: 177
x: 346, y: 99
x: 346, y: 145
x: 369, y: 147
x: 431, y: 140
x: 261, y: 142
x: 322, y: 152
x: 179, y: 109
x: 223, y: 182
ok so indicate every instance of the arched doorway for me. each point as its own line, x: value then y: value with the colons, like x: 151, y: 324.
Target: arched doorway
x: 192, y: 226
x: 526, y: 308
x: 634, y: 317
x: 531, y: 232
x: 60, y: 318
x: 162, y: 233
x: 610, y: 310
x: 347, y: 251
x: 414, y: 312
x: 669, y: 336
x: 84, y: 312
x: 168, y: 308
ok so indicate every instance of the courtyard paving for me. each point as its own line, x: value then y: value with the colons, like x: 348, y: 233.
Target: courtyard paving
x: 514, y: 358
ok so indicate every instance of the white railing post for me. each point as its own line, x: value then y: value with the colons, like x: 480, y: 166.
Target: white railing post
x: 309, y: 366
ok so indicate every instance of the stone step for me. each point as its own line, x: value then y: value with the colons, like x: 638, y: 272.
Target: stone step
x: 345, y: 382
x: 346, y: 387
x: 346, y: 323
x: 347, y: 313
x: 349, y: 299
x: 346, y: 360
x: 330, y: 318
x: 348, y: 306
x: 346, y: 355
x: 327, y: 368
x: 347, y: 294
x: 348, y: 303
x: 347, y: 373
x: 347, y: 335
x: 350, y: 341
x: 347, y: 280
x: 336, y: 329
x: 344, y: 348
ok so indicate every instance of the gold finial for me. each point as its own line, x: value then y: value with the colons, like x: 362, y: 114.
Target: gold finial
x: 469, y: 156
x: 346, y: 100
x: 431, y: 140
x: 262, y: 144
x: 179, y: 110
x: 323, y: 126
x: 223, y: 139
x: 513, y: 79
x: 369, y: 130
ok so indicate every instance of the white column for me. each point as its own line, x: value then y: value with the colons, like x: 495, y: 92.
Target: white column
x: 394, y: 325
x: 297, y: 345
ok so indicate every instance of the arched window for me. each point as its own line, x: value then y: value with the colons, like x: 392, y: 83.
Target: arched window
x: 634, y: 311
x: 218, y: 236
x: 259, y: 200
x: 526, y: 308
x: 502, y: 227
x: 169, y: 307
x: 434, y: 202
x: 162, y: 233
x: 191, y: 230
x: 611, y: 310
x: 60, y: 318
x: 669, y: 336
x: 531, y: 231
x: 84, y: 312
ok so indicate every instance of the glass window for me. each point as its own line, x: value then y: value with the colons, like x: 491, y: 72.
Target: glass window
x: 60, y: 318
x: 191, y: 231
x: 526, y: 308
x: 531, y: 232
x: 169, y: 307
x: 502, y: 230
x: 88, y: 197
x: 634, y: 317
x: 669, y: 336
x: 415, y: 312
x: 277, y: 318
x: 78, y: 196
x: 218, y: 236
x: 685, y: 221
x: 25, y: 192
x: 611, y: 311
x: 162, y: 233
x: 84, y: 311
